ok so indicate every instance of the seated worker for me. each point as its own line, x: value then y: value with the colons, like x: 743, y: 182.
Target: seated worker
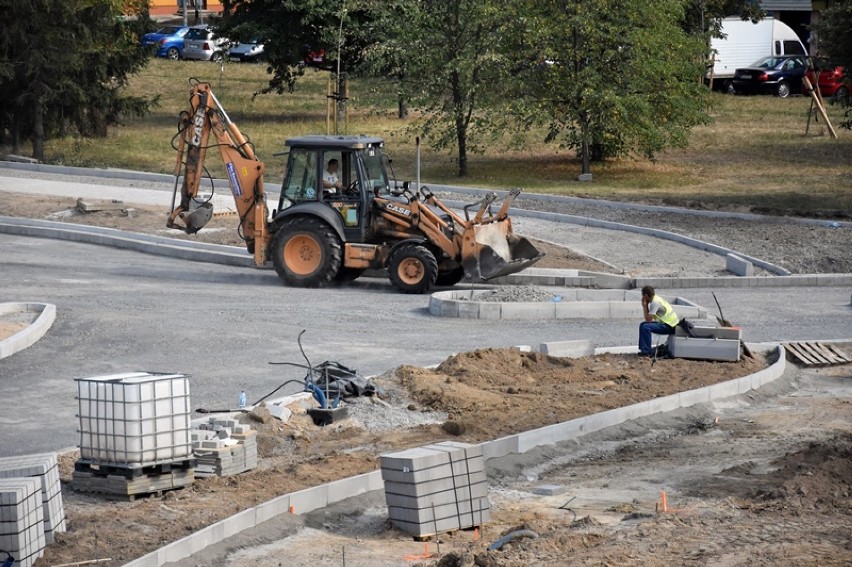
x: 330, y: 182
x: 660, y: 319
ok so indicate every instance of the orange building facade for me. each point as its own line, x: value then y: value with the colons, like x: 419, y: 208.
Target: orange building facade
x: 167, y: 7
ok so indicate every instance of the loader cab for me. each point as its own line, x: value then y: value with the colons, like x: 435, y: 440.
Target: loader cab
x: 360, y: 171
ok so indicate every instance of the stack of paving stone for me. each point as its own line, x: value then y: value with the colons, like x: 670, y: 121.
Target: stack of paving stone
x: 224, y: 447
x: 44, y: 468
x: 436, y: 488
x: 21, y: 520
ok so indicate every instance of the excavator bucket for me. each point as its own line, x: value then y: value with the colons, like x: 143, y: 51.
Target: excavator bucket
x: 492, y: 250
x: 197, y: 217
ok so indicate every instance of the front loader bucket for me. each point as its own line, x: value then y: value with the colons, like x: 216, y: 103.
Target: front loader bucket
x: 493, y: 251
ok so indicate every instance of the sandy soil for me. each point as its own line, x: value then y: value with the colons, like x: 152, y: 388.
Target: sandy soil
x: 484, y: 394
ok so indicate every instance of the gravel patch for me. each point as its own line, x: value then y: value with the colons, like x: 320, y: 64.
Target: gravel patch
x: 508, y: 294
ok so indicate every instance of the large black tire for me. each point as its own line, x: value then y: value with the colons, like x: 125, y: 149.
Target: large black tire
x: 450, y: 277
x: 306, y: 252
x: 841, y: 94
x: 412, y: 268
x: 173, y: 53
x: 783, y: 89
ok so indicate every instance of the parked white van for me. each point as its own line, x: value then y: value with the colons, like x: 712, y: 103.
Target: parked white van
x: 746, y: 43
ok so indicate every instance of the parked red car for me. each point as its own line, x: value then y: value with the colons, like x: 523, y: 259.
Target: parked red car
x: 832, y: 81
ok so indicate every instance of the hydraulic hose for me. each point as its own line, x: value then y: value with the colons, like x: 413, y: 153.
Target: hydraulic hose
x: 511, y: 536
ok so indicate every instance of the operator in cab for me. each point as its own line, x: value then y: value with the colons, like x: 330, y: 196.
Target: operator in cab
x: 660, y: 319
x: 330, y: 181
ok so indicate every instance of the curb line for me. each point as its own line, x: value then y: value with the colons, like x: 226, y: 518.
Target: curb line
x: 311, y: 499
x: 33, y: 332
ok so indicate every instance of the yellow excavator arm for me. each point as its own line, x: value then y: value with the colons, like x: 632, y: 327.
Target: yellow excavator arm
x: 243, y: 168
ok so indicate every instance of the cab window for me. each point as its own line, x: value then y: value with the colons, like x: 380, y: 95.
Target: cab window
x: 301, y: 184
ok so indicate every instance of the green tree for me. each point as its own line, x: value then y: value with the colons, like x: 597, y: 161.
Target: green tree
x: 289, y: 28
x: 63, y: 66
x: 705, y: 16
x: 832, y: 32
x: 441, y: 55
x: 605, y: 77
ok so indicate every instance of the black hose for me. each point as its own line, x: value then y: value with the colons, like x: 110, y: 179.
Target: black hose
x: 511, y: 537
x: 278, y: 388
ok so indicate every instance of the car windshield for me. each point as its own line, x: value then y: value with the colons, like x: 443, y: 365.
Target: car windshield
x: 172, y: 30
x: 767, y: 62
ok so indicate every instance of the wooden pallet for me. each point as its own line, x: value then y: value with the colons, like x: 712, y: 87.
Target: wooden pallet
x: 124, y: 488
x: 132, y: 470
x: 816, y: 354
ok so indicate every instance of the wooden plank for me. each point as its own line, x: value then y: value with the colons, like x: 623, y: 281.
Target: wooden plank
x: 839, y: 353
x: 814, y: 353
x: 793, y: 348
x: 827, y: 353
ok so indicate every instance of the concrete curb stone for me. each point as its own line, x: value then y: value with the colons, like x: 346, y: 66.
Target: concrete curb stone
x: 33, y: 332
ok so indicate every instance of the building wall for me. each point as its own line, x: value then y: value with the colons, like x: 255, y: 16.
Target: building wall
x: 169, y: 7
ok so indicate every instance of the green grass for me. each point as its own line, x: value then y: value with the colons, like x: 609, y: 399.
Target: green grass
x: 753, y: 155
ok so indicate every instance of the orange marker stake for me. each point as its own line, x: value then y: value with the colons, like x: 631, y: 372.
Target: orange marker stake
x: 665, y: 505
x: 292, y: 509
x: 475, y: 534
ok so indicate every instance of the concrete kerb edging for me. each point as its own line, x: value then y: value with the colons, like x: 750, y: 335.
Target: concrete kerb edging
x: 236, y: 256
x: 311, y: 499
x: 664, y: 234
x: 574, y: 304
x: 158, y: 245
x: 33, y: 332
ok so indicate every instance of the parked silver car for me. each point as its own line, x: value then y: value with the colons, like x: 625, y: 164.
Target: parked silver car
x: 200, y: 43
x: 251, y: 51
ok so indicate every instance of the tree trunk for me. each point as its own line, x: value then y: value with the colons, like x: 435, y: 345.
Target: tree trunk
x: 462, y: 139
x: 585, y: 150
x: 402, y: 105
x: 38, y: 129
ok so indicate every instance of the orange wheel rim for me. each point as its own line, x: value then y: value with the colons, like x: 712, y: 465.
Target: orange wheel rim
x: 302, y: 255
x: 410, y: 271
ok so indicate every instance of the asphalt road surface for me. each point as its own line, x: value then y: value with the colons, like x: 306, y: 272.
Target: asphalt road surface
x: 123, y: 311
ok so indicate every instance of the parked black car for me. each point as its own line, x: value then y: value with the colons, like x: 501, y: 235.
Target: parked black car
x: 778, y: 74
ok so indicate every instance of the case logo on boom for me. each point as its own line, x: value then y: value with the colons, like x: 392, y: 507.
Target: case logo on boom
x: 398, y: 209
x: 198, y: 122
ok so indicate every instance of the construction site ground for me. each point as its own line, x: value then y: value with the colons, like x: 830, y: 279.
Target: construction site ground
x: 768, y: 482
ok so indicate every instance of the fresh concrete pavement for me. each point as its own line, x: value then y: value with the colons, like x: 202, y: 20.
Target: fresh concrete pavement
x: 121, y: 310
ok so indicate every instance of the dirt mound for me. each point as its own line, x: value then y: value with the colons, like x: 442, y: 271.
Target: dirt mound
x: 497, y: 392
x: 818, y: 476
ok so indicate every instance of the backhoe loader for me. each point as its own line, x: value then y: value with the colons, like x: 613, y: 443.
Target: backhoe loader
x: 317, y: 234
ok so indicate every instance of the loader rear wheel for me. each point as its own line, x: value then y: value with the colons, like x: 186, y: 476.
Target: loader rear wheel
x: 412, y: 268
x: 306, y: 253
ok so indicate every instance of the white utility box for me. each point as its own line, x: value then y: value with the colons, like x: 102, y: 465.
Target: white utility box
x: 135, y: 419
x: 707, y: 343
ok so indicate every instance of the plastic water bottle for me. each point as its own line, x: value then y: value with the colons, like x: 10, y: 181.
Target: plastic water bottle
x: 242, y: 399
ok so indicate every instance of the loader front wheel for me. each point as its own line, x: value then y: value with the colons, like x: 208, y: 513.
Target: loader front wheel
x: 306, y: 253
x: 412, y: 268
x: 450, y: 277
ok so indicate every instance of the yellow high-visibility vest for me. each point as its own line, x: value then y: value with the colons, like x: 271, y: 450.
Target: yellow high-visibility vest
x: 669, y: 317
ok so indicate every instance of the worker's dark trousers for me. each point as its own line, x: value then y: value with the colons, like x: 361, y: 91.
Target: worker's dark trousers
x: 645, y: 330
